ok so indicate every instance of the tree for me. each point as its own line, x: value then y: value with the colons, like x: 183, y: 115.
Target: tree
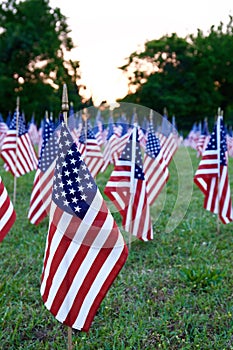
x: 33, y: 39
x: 191, y: 76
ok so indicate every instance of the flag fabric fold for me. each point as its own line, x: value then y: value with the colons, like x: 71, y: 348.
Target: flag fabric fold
x: 126, y: 188
x: 85, y: 250
x: 212, y: 175
x: 7, y: 212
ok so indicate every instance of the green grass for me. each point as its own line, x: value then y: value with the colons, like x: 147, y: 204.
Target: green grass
x: 175, y: 292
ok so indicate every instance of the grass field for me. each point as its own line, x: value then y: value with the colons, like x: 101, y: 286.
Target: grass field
x: 175, y: 292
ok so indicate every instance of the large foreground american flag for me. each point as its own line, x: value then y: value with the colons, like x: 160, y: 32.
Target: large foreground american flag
x: 85, y: 250
x: 17, y: 149
x: 126, y: 188
x: 212, y: 175
x: 7, y: 212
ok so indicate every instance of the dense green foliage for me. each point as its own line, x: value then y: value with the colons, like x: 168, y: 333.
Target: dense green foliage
x: 174, y: 292
x: 191, y: 76
x: 33, y: 39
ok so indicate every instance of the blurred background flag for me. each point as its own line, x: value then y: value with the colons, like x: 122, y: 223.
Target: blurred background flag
x: 212, y: 175
x: 17, y: 149
x: 7, y: 212
x: 126, y: 188
x: 40, y: 200
x: 155, y: 166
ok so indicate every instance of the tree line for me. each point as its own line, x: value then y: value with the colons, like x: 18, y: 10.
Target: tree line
x: 33, y: 40
x: 191, y: 76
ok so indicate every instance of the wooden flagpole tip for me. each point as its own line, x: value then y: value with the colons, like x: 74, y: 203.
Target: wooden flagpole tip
x: 65, y: 102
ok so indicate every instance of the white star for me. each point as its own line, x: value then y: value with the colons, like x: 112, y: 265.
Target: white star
x: 83, y: 197
x: 86, y: 176
x: 71, y: 191
x: 69, y: 182
x: 62, y: 155
x: 56, y: 195
x: 84, y: 166
x: 61, y: 184
x: 72, y: 161
x: 67, y: 142
x: 63, y: 194
x: 77, y: 209
x: 75, y: 170
x: 59, y: 175
x: 64, y: 164
x: 70, y: 152
x: 65, y: 133
x: 66, y: 203
x: 89, y: 185
x: 74, y: 200
x: 78, y: 179
x: 67, y: 173
x: 81, y: 188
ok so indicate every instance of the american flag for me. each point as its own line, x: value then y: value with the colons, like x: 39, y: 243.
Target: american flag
x: 7, y: 212
x: 43, y: 182
x: 85, y: 250
x: 169, y: 146
x: 212, y: 175
x: 155, y: 167
x: 98, y: 128
x: 203, y: 139
x: 17, y: 150
x: 3, y: 130
x: 33, y: 131
x: 126, y: 188
x: 111, y: 151
x: 90, y: 150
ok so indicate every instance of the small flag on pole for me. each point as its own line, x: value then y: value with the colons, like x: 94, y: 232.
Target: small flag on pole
x: 17, y: 149
x: 155, y: 166
x: 212, y: 175
x: 40, y: 200
x: 126, y: 188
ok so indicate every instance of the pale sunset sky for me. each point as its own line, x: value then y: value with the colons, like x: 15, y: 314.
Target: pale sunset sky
x: 106, y: 32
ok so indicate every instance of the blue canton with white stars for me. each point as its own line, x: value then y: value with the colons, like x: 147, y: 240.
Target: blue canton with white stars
x: 152, y: 144
x: 73, y: 187
x: 212, y: 145
x: 127, y: 155
x: 49, y: 147
x: 21, y: 125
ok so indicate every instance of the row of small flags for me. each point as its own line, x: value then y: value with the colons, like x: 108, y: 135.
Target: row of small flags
x: 85, y: 250
x: 84, y: 245
x: 199, y: 137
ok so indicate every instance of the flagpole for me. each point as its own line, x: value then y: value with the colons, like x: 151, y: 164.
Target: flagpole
x: 218, y: 178
x: 65, y: 109
x: 16, y: 146
x: 132, y: 181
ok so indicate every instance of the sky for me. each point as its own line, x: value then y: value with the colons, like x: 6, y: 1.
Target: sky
x: 106, y: 32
